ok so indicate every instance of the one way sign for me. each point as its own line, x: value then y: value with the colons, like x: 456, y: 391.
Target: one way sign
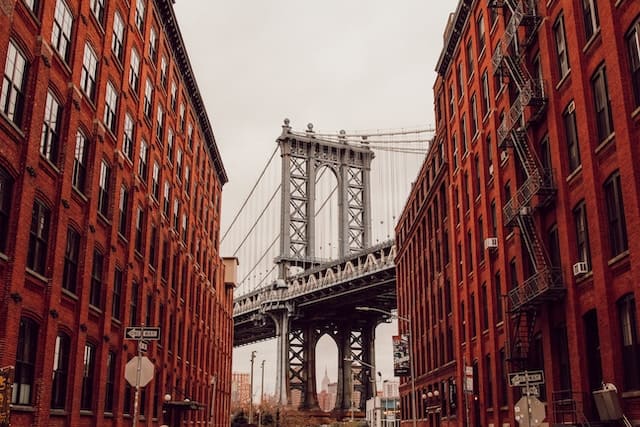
x: 141, y: 332
x: 526, y: 378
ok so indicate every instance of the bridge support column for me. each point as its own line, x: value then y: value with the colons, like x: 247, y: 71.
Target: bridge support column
x: 282, y: 372
x: 345, y: 378
x: 310, y: 398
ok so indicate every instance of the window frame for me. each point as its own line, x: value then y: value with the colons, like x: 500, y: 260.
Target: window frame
x: 61, y: 33
x: 6, y: 198
x: 614, y: 201
x: 602, y: 103
x: 39, y: 230
x: 12, y: 97
x: 61, y: 357
x: 71, y: 260
x: 25, y: 365
x: 49, y: 138
x: 562, y: 53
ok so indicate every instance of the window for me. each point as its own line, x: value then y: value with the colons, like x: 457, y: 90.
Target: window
x: 185, y: 231
x: 591, y: 22
x: 79, y: 173
x: 71, y: 260
x: 553, y: 243
x: 474, y: 116
x: 117, y: 38
x: 454, y: 143
x: 95, y: 294
x: 481, y: 34
x: 133, y: 304
x: 33, y: 5
x: 460, y: 81
x: 489, y: 381
x: 97, y: 7
x: 38, y: 238
x: 179, y: 164
x: 582, y: 233
x: 630, y: 342
x: 153, y: 248
x: 562, y: 54
x: 104, y: 189
x: 89, y: 71
x: 143, y: 160
x: 615, y: 215
x: 470, y: 58
x: 61, y: 32
x: 187, y: 180
x: 486, y: 106
x: 452, y: 103
x: 155, y: 181
x: 25, y: 362
x: 60, y: 371
x: 139, y: 17
x: 109, y: 395
x: 571, y: 132
x: 153, y: 44
x: 160, y: 123
x: 88, y: 369
x: 170, y: 145
x: 485, y: 307
x: 513, y: 274
x: 174, y: 95
x: 472, y: 313
x: 633, y: 47
x: 176, y: 214
x: 163, y: 71
x: 123, y: 211
x: 181, y: 115
x: 134, y: 70
x: 6, y: 190
x: 167, y: 198
x: 463, y: 134
x: 110, y: 107
x: 127, y: 141
x: 148, y: 99
x: 13, y: 84
x: 116, y: 303
x: 139, y: 242
x: 592, y: 350
x: 497, y: 292
x: 190, y: 135
x: 50, y: 128
x: 602, y: 103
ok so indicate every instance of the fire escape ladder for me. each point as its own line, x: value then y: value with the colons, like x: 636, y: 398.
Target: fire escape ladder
x: 537, y: 253
x: 524, y: 322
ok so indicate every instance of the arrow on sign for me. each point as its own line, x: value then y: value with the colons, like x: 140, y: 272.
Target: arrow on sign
x: 139, y: 332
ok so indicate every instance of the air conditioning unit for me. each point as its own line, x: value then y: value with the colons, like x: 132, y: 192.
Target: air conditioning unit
x: 504, y: 155
x: 580, y: 268
x: 491, y: 243
x: 491, y: 169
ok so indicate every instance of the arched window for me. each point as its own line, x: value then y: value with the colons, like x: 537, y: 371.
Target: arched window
x: 60, y: 371
x: 25, y: 362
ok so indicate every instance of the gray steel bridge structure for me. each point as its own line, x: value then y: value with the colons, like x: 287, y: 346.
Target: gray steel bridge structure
x: 298, y: 309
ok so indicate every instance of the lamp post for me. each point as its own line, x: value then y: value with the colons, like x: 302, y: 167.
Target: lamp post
x: 411, y: 356
x: 362, y: 362
x: 261, y: 394
x: 253, y: 356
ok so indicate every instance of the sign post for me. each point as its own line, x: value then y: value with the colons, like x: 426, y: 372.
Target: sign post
x: 140, y: 334
x: 529, y: 410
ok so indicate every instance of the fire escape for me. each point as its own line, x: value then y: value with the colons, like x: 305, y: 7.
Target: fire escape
x: 538, y: 190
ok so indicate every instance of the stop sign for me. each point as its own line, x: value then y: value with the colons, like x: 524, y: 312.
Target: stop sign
x: 531, y: 413
x: 146, y: 371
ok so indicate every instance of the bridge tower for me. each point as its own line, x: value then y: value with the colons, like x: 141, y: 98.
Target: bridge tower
x: 303, y: 155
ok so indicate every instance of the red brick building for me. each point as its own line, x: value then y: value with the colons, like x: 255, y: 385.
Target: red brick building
x: 110, y: 188
x: 537, y: 111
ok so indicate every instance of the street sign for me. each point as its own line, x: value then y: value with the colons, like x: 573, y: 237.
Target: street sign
x: 146, y: 371
x: 468, y: 379
x: 532, y: 390
x: 529, y: 411
x: 143, y: 345
x: 525, y: 378
x: 142, y: 332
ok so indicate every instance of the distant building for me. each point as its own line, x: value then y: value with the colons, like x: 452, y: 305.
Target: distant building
x: 390, y: 388
x: 240, y: 389
x: 110, y: 196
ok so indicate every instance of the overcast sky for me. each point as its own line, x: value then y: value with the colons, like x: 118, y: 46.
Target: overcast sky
x: 340, y: 64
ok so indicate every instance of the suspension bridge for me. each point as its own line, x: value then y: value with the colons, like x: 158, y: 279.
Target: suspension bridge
x: 314, y: 239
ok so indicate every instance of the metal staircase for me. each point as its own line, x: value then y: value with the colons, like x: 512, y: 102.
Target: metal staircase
x: 537, y: 190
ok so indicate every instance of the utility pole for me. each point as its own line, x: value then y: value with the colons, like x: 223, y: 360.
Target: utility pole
x: 253, y: 356
x: 261, y: 394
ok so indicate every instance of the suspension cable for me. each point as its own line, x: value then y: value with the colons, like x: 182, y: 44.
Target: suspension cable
x: 250, y: 194
x: 261, y: 258
x: 275, y: 193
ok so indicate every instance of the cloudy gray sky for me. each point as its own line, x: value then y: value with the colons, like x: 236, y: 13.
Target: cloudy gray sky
x: 341, y: 64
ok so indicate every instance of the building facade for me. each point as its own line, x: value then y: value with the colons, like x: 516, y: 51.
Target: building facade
x: 110, y: 189
x: 537, y: 107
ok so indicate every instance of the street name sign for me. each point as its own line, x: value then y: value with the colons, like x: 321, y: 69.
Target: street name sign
x: 525, y: 378
x: 142, y: 332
